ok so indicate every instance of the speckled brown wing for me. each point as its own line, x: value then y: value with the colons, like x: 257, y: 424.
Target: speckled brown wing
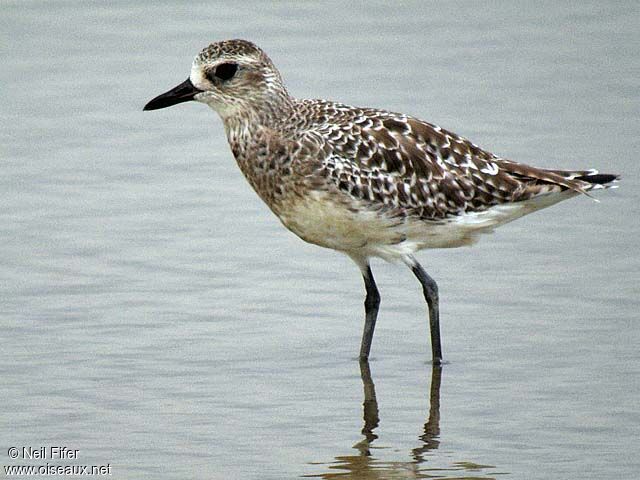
x: 403, y: 163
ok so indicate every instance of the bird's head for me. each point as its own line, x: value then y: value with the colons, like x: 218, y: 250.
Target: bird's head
x: 232, y: 77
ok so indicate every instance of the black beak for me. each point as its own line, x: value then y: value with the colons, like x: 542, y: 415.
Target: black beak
x: 182, y: 93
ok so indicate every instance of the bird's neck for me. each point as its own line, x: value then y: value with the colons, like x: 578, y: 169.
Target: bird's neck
x: 242, y: 125
x: 258, y: 141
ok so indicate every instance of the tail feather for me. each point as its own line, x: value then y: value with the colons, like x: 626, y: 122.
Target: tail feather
x: 589, y: 179
x: 598, y: 178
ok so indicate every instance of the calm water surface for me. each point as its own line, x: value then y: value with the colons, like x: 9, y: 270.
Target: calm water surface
x: 157, y: 317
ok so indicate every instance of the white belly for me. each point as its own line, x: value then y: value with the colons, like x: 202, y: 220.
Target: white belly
x: 359, y: 231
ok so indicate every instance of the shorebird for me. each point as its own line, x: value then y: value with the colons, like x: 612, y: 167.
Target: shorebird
x: 363, y: 181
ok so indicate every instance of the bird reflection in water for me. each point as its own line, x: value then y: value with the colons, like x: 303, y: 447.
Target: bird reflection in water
x: 365, y: 466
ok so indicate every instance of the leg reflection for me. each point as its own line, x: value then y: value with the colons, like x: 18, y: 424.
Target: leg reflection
x: 364, y: 465
x: 370, y: 408
x: 431, y: 432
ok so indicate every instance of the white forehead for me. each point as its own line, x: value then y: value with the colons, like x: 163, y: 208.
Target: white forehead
x: 197, y: 76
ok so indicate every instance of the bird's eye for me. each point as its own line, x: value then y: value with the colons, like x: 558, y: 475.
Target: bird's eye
x: 225, y: 71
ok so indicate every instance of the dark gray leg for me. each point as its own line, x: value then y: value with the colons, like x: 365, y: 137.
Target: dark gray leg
x: 430, y: 289
x: 371, y: 304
